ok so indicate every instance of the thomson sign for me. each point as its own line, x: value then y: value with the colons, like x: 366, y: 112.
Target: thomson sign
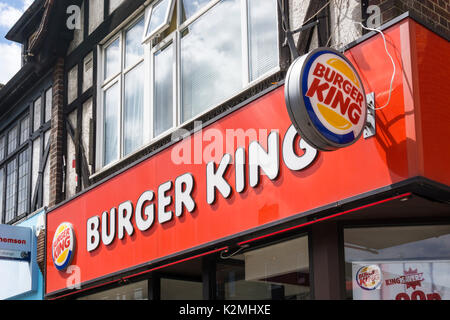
x: 14, y: 241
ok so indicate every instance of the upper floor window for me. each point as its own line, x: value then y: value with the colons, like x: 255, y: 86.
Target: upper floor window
x: 122, y: 93
x: 22, y: 147
x: 183, y: 63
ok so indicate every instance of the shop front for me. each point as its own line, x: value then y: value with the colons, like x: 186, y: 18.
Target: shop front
x: 244, y: 208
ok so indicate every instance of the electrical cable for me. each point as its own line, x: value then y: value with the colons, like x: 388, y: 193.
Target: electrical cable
x: 318, y: 11
x: 387, y: 52
x: 392, y: 60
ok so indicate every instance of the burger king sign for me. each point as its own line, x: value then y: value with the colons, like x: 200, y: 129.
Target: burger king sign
x: 63, y: 246
x: 325, y: 99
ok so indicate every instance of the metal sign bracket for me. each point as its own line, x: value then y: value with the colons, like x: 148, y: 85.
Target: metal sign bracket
x: 370, y: 128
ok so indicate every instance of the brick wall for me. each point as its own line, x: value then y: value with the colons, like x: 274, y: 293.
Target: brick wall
x: 56, y: 135
x: 433, y: 12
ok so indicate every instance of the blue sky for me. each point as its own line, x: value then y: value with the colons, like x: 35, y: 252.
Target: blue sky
x: 10, y: 12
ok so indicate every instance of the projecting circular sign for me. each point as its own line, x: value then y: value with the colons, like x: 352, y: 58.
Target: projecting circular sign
x: 63, y: 246
x: 325, y: 99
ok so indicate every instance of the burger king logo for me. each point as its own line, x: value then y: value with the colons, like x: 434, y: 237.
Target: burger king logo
x: 369, y: 277
x: 325, y: 99
x: 63, y: 246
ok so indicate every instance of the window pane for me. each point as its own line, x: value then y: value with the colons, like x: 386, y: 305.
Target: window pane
x: 12, y: 140
x: 133, y: 112
x: 177, y: 289
x: 263, y: 36
x: 158, y: 16
x: 112, y: 59
x: 37, y: 114
x: 24, y: 130
x: 46, y: 178
x: 11, y: 181
x: 36, y: 163
x: 163, y: 91
x: 211, y: 58
x: 111, y: 124
x: 24, y: 172
x: 2, y: 148
x: 48, y: 104
x: 279, y: 271
x: 134, y: 50
x: 189, y: 8
x: 389, y: 263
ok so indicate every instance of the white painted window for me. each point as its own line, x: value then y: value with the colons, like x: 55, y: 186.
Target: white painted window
x: 158, y: 18
x: 187, y: 61
x: 122, y: 94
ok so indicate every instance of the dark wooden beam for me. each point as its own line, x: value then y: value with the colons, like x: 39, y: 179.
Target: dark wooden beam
x: 304, y: 40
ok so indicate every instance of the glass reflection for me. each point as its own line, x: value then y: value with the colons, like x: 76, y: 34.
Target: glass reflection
x: 276, y: 272
x: 158, y: 16
x: 133, y: 291
x: 133, y: 110
x: 263, y: 37
x: 211, y: 58
x: 134, y: 50
x: 111, y: 124
x: 112, y: 59
x: 401, y: 253
x: 11, y: 182
x: 163, y: 91
x: 181, y: 289
x: 190, y: 7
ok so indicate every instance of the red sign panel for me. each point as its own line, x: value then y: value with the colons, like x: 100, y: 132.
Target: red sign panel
x: 216, y: 183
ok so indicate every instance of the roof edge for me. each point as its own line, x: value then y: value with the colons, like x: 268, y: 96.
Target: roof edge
x: 14, y: 34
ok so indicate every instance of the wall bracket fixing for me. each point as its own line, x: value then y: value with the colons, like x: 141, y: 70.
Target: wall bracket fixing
x: 370, y: 128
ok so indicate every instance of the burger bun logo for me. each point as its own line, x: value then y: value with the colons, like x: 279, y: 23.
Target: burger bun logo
x: 369, y: 277
x: 325, y: 99
x: 63, y: 246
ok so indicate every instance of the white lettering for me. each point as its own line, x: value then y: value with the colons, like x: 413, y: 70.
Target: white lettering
x: 184, y: 197
x: 163, y: 202
x: 125, y: 212
x: 107, y: 239
x: 93, y: 236
x: 215, y: 179
x: 290, y: 158
x: 149, y: 211
x: 267, y: 161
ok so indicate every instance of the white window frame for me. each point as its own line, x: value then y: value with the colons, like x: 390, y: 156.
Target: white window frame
x: 246, y: 82
x: 171, y: 40
x: 164, y: 25
x: 105, y: 84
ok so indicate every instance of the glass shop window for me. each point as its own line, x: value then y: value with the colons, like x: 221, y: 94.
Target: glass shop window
x: 181, y: 289
x: 181, y: 281
x: 276, y: 272
x: 132, y: 291
x: 397, y: 263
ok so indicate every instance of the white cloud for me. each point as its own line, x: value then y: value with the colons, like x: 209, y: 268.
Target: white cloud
x: 27, y: 3
x: 8, y: 15
x: 10, y: 54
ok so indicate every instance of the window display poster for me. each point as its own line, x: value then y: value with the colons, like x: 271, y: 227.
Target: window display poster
x: 401, y: 280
